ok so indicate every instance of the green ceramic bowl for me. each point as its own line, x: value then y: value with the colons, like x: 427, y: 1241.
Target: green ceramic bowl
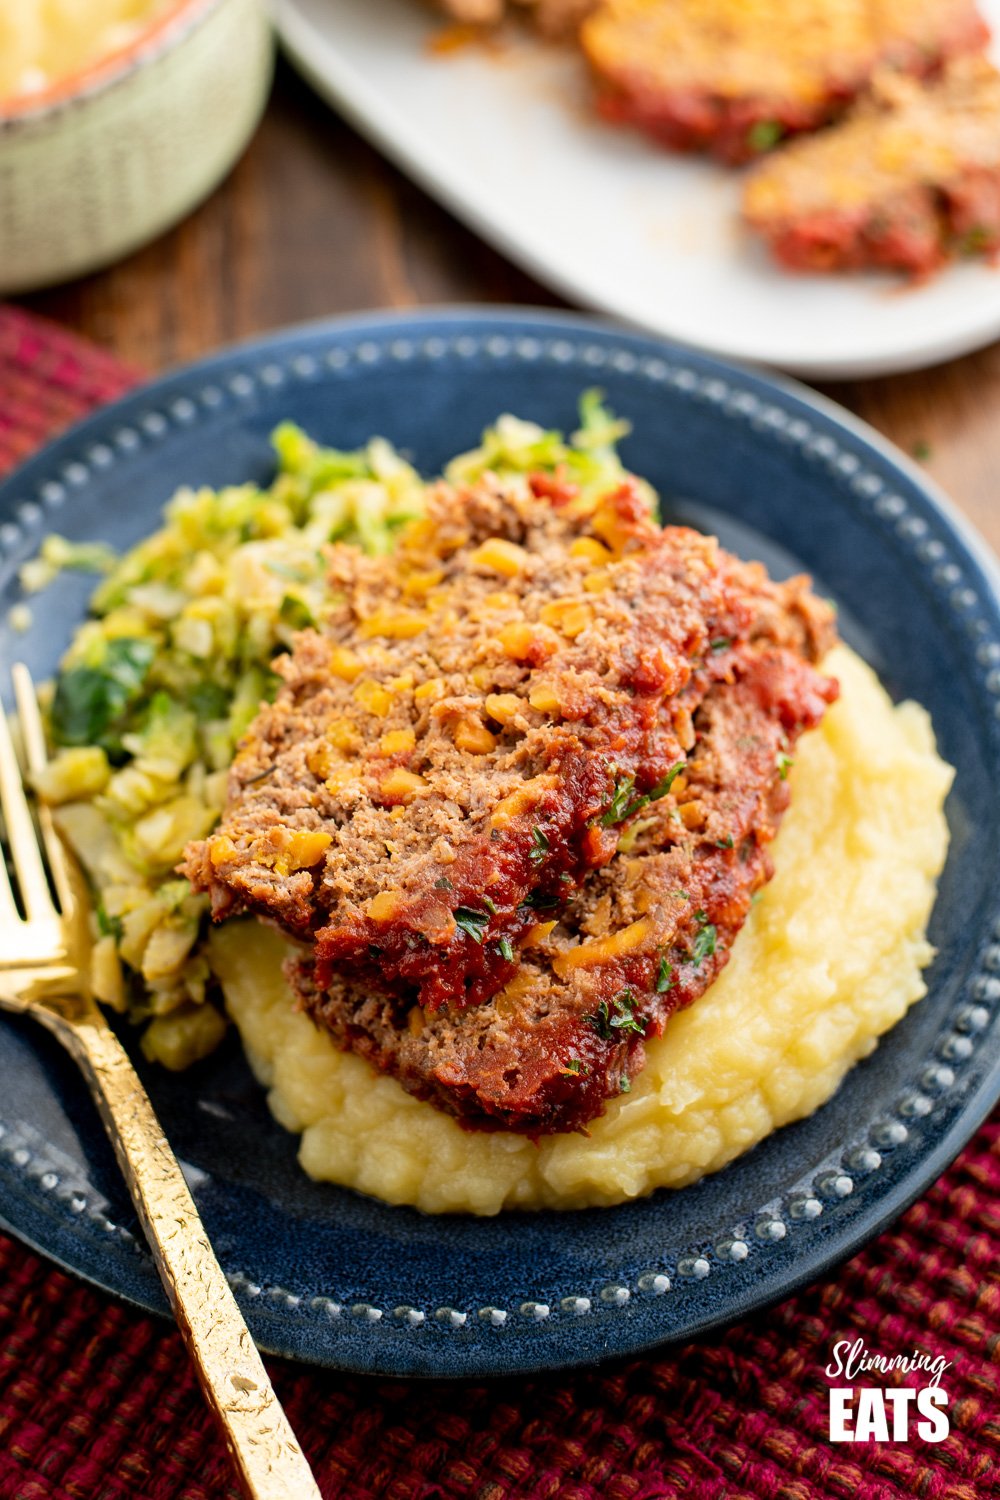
x: 109, y: 158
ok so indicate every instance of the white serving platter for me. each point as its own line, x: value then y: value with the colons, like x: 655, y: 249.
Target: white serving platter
x: 506, y: 139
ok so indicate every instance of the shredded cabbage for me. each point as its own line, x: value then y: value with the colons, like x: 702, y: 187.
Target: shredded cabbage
x: 162, y: 680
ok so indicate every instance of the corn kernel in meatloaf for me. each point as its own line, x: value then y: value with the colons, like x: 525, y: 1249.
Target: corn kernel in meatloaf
x: 483, y: 712
x: 910, y: 179
x: 735, y: 76
x: 641, y: 938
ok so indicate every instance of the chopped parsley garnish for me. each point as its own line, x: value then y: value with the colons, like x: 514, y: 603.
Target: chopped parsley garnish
x: 726, y: 843
x: 600, y: 1020
x: 721, y: 643
x: 623, y: 804
x: 921, y: 450
x: 490, y: 905
x: 663, y: 787
x: 539, y: 847
x: 539, y: 901
x: 472, y: 922
x: 664, y: 976
x: 618, y: 808
x: 619, y: 1016
x: 624, y: 1084
x: 784, y: 763
x: 575, y: 1067
x: 443, y: 884
x: 705, y: 941
x: 506, y: 949
x: 764, y: 135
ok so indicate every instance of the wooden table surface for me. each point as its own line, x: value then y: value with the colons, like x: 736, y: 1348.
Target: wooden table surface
x: 313, y: 221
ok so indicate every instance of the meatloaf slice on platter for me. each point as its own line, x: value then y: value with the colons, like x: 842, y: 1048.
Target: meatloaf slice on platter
x: 734, y: 77
x: 637, y: 940
x: 908, y: 181
x: 482, y: 713
x: 553, y: 18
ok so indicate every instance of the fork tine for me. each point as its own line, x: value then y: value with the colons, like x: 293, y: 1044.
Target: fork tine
x: 21, y: 832
x: 8, y: 911
x: 33, y: 736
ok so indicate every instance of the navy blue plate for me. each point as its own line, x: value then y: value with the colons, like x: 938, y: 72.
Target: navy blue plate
x: 328, y: 1276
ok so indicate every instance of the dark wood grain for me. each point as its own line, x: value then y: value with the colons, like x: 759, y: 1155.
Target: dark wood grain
x: 314, y: 222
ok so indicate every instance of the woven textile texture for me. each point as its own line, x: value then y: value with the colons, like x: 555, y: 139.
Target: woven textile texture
x: 97, y: 1402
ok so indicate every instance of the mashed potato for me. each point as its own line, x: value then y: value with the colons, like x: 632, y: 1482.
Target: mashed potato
x: 830, y: 958
x: 42, y: 41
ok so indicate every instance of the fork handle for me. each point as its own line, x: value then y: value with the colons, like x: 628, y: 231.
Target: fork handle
x: 263, y: 1448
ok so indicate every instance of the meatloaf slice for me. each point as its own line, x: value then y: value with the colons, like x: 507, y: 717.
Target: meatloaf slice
x: 483, y: 711
x: 909, y: 180
x: 642, y: 937
x: 553, y: 18
x: 734, y: 78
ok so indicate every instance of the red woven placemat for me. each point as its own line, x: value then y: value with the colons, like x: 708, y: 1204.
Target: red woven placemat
x: 98, y: 1402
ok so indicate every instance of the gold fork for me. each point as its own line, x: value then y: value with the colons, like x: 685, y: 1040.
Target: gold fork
x: 41, y: 975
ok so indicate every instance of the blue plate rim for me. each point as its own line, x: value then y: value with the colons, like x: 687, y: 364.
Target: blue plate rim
x: 528, y: 320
